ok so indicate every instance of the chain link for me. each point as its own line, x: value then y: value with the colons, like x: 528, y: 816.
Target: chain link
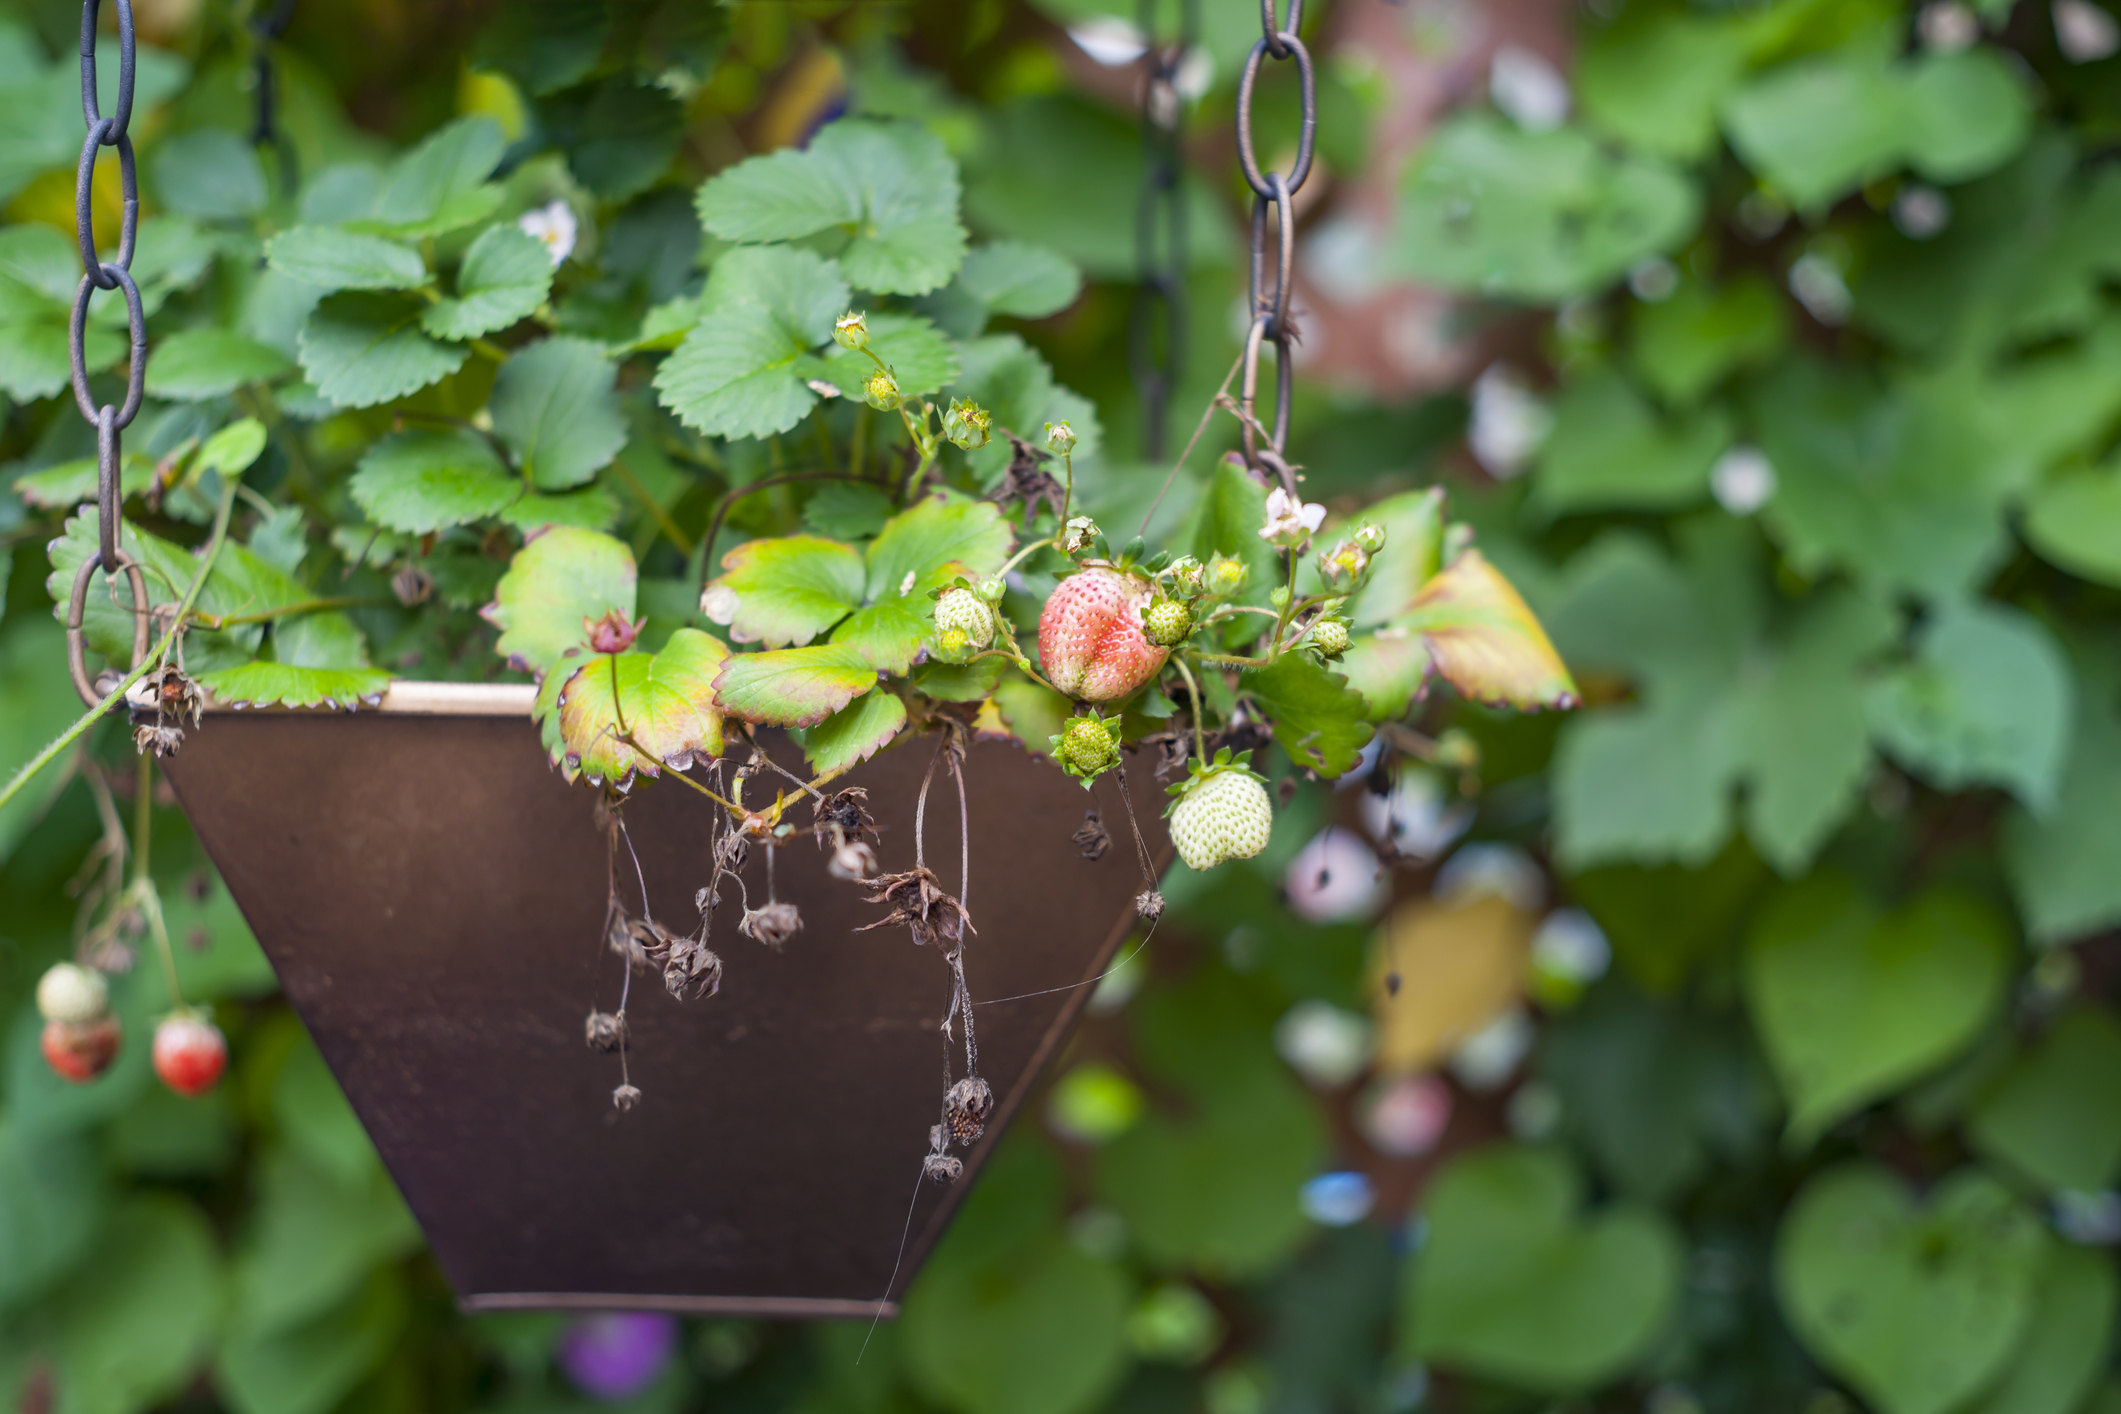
x: 99, y: 274
x: 1275, y: 192
x: 1156, y: 326
x: 266, y: 27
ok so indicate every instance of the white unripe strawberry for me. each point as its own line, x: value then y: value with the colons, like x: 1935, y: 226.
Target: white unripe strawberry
x: 1224, y: 814
x: 72, y: 994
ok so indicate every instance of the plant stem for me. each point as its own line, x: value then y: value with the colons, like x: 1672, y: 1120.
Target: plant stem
x: 663, y: 521
x: 1068, y: 486
x: 140, y: 670
x: 214, y: 623
x: 1200, y: 740
x: 1027, y: 552
x: 143, y: 888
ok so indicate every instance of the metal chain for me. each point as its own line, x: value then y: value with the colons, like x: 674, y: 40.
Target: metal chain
x: 1160, y: 299
x: 1275, y: 191
x: 99, y: 274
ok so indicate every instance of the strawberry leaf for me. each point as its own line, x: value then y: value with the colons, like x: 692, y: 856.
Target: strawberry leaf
x: 958, y: 682
x: 1413, y: 527
x: 794, y: 687
x: 1485, y: 640
x: 936, y: 540
x: 889, y: 634
x: 1318, y: 718
x: 853, y: 734
x: 1387, y: 669
x: 565, y: 576
x: 1034, y: 715
x: 665, y: 702
x: 264, y: 684
x: 788, y: 590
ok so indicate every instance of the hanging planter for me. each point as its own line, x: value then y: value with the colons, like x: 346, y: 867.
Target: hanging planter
x: 431, y: 893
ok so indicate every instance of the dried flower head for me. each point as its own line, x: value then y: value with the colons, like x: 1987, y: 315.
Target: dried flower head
x: 1091, y: 838
x: 626, y: 1097
x: 605, y: 1030
x: 772, y: 925
x: 966, y: 1106
x: 1077, y: 534
x: 162, y: 740
x: 854, y: 860
x: 918, y: 900
x: 943, y: 1168
x: 412, y: 585
x: 692, y: 967
x: 1149, y: 906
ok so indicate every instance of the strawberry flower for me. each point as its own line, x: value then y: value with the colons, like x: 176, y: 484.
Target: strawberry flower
x: 1290, y: 521
x: 552, y: 225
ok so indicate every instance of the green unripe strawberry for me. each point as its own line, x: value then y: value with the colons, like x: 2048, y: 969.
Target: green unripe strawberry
x: 1330, y: 637
x: 1166, y: 623
x: 958, y: 608
x: 1087, y: 747
x: 1222, y: 814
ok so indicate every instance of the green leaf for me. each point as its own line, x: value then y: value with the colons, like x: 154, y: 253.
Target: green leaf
x: 53, y: 1193
x: 139, y: 1316
x: 2075, y: 522
x: 666, y: 702
x: 1227, y: 520
x: 193, y: 365
x: 1020, y: 280
x: 624, y: 138
x: 2066, y: 1338
x: 788, y: 590
x: 588, y: 508
x: 1040, y: 1333
x: 62, y: 487
x: 742, y: 371
x: 1386, y: 669
x: 556, y: 406
x: 958, y: 682
x: 1820, y: 127
x: 2055, y: 1115
x: 1688, y: 343
x: 794, y: 687
x: 2065, y: 864
x: 446, y: 165
x: 1987, y: 700
x: 312, y: 1241
x: 1318, y: 719
x: 890, y: 185
x: 1517, y: 1283
x: 889, y: 634
x: 545, y: 47
x: 921, y: 359
x: 211, y: 174
x: 504, y: 277
x: 1494, y: 210
x: 269, y: 684
x: 854, y: 733
x: 1610, y: 451
x: 1853, y: 1003
x: 1916, y: 1309
x: 423, y: 480
x: 1033, y: 714
x: 1652, y: 79
x: 1484, y: 640
x: 309, y: 1369
x: 555, y: 583
x: 360, y: 350
x: 1012, y: 381
x: 339, y: 259
x: 1413, y: 525
x: 934, y: 540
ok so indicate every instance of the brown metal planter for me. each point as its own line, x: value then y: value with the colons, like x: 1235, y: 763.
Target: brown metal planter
x: 431, y: 893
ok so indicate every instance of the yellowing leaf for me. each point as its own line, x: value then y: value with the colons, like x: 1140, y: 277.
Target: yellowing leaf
x: 1485, y: 641
x: 665, y: 704
x: 794, y: 687
x: 1460, y: 966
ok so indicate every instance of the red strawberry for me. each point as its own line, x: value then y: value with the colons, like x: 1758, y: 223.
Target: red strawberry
x: 1090, y: 636
x: 81, y: 1050
x: 190, y: 1053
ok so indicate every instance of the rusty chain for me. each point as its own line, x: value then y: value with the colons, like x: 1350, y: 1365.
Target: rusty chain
x: 1156, y: 324
x: 98, y: 274
x: 1275, y: 192
x: 266, y: 27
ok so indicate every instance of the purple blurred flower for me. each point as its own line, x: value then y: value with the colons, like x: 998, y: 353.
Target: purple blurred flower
x: 617, y: 1355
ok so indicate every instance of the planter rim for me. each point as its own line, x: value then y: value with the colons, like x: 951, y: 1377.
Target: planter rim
x: 424, y: 699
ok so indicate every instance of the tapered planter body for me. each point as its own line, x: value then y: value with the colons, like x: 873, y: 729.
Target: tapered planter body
x: 431, y: 893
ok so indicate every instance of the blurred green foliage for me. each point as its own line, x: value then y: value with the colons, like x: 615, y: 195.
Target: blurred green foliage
x: 1814, y: 297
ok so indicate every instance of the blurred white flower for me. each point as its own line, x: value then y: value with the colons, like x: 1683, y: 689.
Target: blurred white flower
x: 1408, y: 1115
x: 1196, y: 74
x: 1743, y: 480
x: 2084, y: 32
x: 1418, y: 819
x: 1334, y: 877
x: 1110, y: 40
x: 1290, y: 521
x: 1338, y: 1199
x: 1341, y: 258
x: 554, y: 226
x: 1325, y: 1045
x: 1502, y: 870
x: 1509, y: 422
x: 1818, y: 285
x: 1529, y: 90
x: 1653, y: 279
x: 1946, y: 27
x: 1921, y: 213
x: 1570, y: 945
x: 1491, y: 1055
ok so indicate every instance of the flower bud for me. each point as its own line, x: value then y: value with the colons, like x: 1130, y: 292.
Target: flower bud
x: 1225, y: 575
x: 992, y: 590
x: 612, y: 633
x: 882, y: 391
x: 1280, y: 597
x: 1188, y: 574
x: 1060, y: 437
x: 852, y: 331
x: 1344, y: 564
x: 1077, y: 535
x: 1370, y: 537
x: 967, y: 425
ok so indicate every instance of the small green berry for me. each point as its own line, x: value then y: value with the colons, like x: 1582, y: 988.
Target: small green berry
x: 1330, y: 637
x: 1087, y: 747
x: 992, y: 590
x: 1370, y: 537
x: 882, y: 391
x: 1280, y: 597
x: 967, y: 425
x: 958, y: 610
x: 1060, y: 438
x: 1166, y: 623
x: 851, y: 331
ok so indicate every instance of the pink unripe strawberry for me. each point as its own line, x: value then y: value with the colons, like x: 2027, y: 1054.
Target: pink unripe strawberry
x: 1090, y: 636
